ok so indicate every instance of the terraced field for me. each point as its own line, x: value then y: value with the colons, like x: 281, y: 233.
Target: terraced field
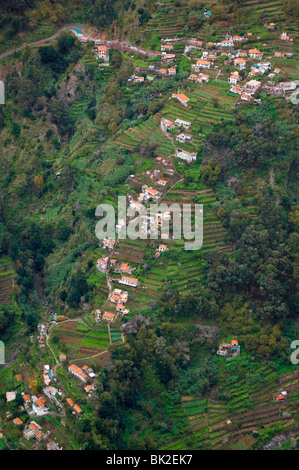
x: 213, y: 425
x: 84, y: 337
x: 165, y: 21
x: 146, y: 131
x: 7, y: 273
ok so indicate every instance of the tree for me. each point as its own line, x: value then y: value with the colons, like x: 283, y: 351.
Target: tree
x: 211, y: 172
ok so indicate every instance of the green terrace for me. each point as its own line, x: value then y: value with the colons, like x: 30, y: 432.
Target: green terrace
x: 7, y: 272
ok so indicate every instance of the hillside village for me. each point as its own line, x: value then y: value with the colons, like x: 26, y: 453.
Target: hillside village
x: 211, y: 80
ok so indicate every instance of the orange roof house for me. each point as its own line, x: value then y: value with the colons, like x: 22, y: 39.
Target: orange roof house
x: 181, y: 97
x: 70, y: 402
x: 34, y: 426
x: 78, y: 409
x: 18, y: 421
x: 108, y: 316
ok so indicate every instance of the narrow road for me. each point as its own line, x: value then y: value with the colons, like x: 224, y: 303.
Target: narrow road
x: 41, y: 41
x: 121, y: 46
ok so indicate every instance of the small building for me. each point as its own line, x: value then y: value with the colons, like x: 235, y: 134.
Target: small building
x: 109, y: 317
x: 202, y: 64
x: 203, y: 78
x: 181, y: 123
x: 78, y: 409
x: 167, y: 47
x: 166, y: 125
x: 252, y: 86
x: 129, y: 281
x: 162, y: 71
x: 234, y: 78
x: 245, y: 97
x: 236, y: 89
x: 227, y: 43
x: 10, y: 396
x: 182, y: 98
x: 162, y: 182
x: 187, y: 156
x: 231, y: 349
x: 77, y: 372
x: 240, y: 63
x: 162, y: 248
x: 183, y: 138
x: 18, y: 421
x: 102, y: 52
x: 255, y: 54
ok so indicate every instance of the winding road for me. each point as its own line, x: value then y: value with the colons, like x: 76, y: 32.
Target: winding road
x: 122, y: 46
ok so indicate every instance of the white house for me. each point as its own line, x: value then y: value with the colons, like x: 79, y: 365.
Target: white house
x: 245, y: 97
x: 167, y: 47
x: 202, y: 64
x: 182, y: 98
x: 166, y: 125
x: 102, y: 52
x: 187, y: 156
x: 181, y: 123
x: 255, y: 54
x: 227, y: 43
x: 183, y: 138
x: 129, y: 281
x: 203, y: 78
x: 234, y: 78
x: 240, y: 63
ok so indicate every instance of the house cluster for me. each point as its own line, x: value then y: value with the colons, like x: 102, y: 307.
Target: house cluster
x: 48, y: 374
x: 231, y: 349
x: 171, y: 72
x: 259, y: 69
x: 109, y: 243
x: 39, y: 407
x: 200, y: 78
x: 42, y: 332
x: 280, y: 89
x: 34, y: 430
x: 285, y: 37
x: 246, y: 91
x: 119, y: 297
x: 136, y: 79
